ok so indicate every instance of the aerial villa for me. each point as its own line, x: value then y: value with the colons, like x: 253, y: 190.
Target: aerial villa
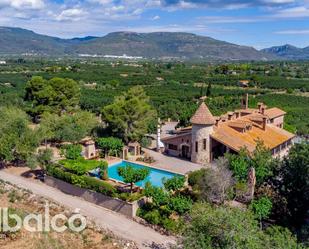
x: 210, y: 137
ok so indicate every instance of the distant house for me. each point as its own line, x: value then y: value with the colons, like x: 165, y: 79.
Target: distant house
x: 210, y: 137
x: 2, y: 62
x: 243, y: 83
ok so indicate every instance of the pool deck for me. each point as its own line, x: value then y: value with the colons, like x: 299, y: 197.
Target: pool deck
x: 173, y: 164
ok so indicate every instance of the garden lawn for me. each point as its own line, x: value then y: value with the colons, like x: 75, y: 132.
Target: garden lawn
x: 81, y: 163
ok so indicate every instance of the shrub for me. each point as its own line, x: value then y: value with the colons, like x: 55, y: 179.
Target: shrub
x: 103, y: 166
x: 158, y: 195
x: 239, y: 164
x: 241, y: 188
x: 153, y: 217
x: 110, y: 145
x: 145, y: 142
x: 174, y: 183
x: 226, y: 227
x: 146, y: 159
x: 72, y: 151
x: 280, y: 237
x: 82, y: 181
x: 44, y: 157
x: 261, y: 207
x: 100, y: 186
x: 80, y: 166
x: 174, y: 226
x: 196, y: 176
x: 215, y: 185
x: 78, y: 181
x: 130, y: 197
x: 180, y: 204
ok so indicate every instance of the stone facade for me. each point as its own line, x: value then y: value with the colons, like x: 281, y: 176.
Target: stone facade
x: 278, y: 121
x: 175, y: 147
x: 201, y: 143
x: 212, y: 137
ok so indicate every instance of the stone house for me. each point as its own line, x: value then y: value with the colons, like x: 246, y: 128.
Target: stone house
x: 210, y: 137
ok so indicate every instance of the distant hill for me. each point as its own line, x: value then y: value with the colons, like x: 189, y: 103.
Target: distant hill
x: 87, y: 38
x: 288, y: 52
x: 166, y: 44
x: 19, y: 41
x: 157, y: 45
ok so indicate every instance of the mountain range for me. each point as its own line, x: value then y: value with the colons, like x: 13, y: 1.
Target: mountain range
x: 289, y: 52
x: 158, y: 45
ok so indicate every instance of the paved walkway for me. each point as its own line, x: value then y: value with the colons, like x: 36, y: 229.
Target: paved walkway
x: 173, y: 164
x: 118, y: 224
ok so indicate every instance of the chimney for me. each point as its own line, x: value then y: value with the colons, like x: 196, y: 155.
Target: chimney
x: 263, y: 109
x: 230, y: 115
x: 159, y: 135
x: 244, y: 101
x: 237, y: 114
x: 247, y: 101
x: 217, y: 121
x: 260, y: 105
x: 264, y: 123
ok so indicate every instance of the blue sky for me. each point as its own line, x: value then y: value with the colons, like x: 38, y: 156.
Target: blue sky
x: 258, y: 23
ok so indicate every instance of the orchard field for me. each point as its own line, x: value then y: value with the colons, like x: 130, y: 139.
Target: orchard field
x: 173, y: 88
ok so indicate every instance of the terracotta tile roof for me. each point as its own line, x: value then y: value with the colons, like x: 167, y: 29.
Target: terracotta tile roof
x: 226, y: 133
x: 274, y: 112
x: 255, y: 117
x: 133, y: 144
x: 272, y: 136
x: 183, y: 130
x: 239, y: 124
x: 203, y: 116
x: 176, y: 136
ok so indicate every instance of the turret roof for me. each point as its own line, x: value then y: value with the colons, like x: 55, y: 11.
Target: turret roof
x: 203, y: 116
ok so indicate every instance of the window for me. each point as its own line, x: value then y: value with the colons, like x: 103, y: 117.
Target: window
x: 205, y: 144
x: 196, y: 146
x: 172, y: 147
x: 277, y: 150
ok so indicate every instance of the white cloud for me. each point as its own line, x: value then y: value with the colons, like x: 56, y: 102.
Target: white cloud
x: 293, y: 32
x: 22, y: 4
x: 230, y: 19
x: 74, y: 14
x: 300, y: 11
x: 278, y: 1
x: 155, y: 18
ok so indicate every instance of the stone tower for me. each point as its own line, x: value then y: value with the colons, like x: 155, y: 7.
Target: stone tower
x: 202, y: 126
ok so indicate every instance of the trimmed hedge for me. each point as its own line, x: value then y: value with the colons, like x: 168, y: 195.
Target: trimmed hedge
x: 82, y: 181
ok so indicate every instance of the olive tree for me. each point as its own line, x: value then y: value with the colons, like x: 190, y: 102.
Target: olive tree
x: 132, y: 175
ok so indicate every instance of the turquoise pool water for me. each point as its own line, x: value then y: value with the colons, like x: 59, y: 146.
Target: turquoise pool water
x: 155, y: 176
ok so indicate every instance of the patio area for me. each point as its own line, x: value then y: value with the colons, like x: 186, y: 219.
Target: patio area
x: 173, y: 164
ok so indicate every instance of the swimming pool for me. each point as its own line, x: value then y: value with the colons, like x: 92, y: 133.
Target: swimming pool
x: 155, y: 176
